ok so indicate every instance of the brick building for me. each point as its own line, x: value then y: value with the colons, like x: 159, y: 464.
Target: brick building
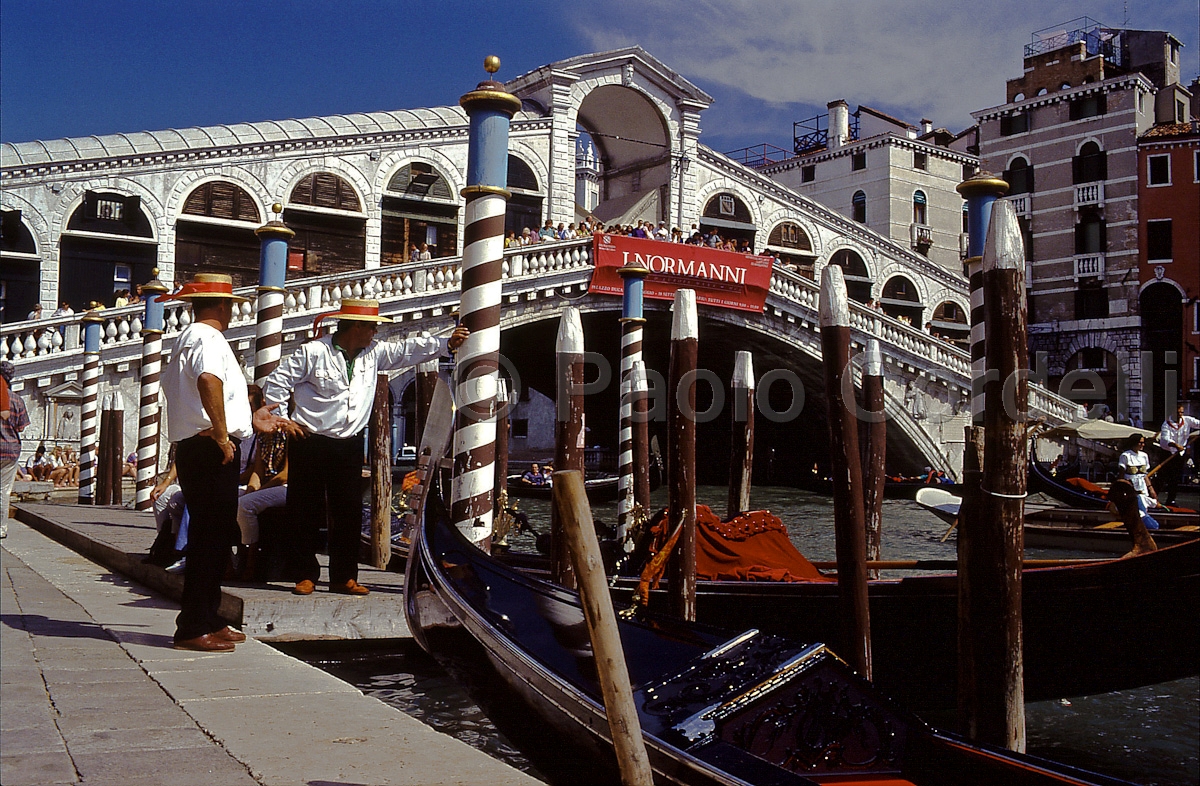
x: 1067, y: 143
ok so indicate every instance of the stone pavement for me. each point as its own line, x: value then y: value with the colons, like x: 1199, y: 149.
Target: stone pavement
x: 92, y: 693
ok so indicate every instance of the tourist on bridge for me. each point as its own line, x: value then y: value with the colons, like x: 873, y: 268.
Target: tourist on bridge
x: 208, y: 417
x: 331, y: 382
x: 1175, y: 436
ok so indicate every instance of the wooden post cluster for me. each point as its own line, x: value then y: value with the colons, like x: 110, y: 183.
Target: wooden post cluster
x: 568, y: 429
x: 846, y: 471
x: 111, y: 453
x: 472, y: 493
x: 380, y: 437
x: 998, y: 542
x: 741, y: 454
x: 681, y: 453
x: 571, y: 508
x: 875, y: 454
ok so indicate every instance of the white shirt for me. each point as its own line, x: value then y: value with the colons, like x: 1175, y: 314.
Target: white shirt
x: 1176, y: 433
x: 1136, y: 464
x: 201, y: 349
x: 328, y: 403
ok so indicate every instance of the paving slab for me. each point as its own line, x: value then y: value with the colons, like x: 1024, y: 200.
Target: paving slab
x: 119, y: 539
x: 84, y: 716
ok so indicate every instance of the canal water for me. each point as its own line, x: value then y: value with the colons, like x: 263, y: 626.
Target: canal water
x: 1148, y: 736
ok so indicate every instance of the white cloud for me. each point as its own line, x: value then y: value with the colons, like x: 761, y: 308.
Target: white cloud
x: 919, y: 58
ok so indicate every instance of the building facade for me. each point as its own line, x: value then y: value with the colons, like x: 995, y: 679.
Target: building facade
x: 1067, y: 143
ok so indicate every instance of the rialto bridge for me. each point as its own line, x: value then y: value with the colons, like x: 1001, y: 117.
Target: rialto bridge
x: 82, y: 217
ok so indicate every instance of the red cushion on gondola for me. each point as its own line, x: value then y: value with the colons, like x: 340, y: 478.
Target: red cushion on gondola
x: 752, y: 546
x: 1085, y: 485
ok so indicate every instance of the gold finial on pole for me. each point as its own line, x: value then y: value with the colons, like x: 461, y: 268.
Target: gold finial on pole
x: 491, y: 64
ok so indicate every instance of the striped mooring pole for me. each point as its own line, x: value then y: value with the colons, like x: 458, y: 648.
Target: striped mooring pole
x: 89, y: 424
x: 148, y: 409
x: 472, y: 492
x: 272, y: 274
x: 633, y: 278
x: 981, y: 191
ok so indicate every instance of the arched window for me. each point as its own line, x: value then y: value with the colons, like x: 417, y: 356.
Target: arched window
x: 419, y: 207
x: 108, y: 246
x: 858, y: 279
x: 920, y: 208
x: 219, y: 199
x: 1090, y: 165
x: 419, y: 180
x: 727, y: 214
x: 325, y: 189
x: 858, y: 206
x: 1019, y: 176
x: 204, y: 246
x: 792, y: 246
x: 525, y: 205
x: 19, y: 267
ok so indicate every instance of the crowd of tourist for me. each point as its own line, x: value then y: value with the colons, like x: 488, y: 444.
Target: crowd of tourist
x: 58, y: 465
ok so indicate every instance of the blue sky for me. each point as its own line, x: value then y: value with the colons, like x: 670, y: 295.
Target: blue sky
x: 76, y: 68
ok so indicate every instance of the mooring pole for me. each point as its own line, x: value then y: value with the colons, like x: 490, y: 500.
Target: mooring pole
x: 846, y: 471
x: 472, y: 494
x: 380, y: 455
x: 502, y: 409
x: 633, y: 278
x: 568, y: 430
x: 89, y: 426
x: 681, y: 453
x: 741, y: 453
x: 571, y: 507
x: 996, y: 601
x: 641, y: 438
x: 273, y: 238
x: 116, y: 450
x: 876, y: 452
x: 427, y: 374
x: 104, y: 452
x: 149, y: 412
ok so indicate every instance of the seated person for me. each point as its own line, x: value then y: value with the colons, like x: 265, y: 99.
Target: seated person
x: 266, y: 488
x: 548, y: 474
x: 40, y: 466
x: 130, y: 468
x: 534, y: 476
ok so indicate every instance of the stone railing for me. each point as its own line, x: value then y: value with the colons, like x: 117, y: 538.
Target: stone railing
x: 23, y: 342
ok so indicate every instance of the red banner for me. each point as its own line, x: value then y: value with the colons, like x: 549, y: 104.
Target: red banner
x: 725, y: 279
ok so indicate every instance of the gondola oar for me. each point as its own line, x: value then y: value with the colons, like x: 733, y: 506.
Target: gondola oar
x: 1173, y: 455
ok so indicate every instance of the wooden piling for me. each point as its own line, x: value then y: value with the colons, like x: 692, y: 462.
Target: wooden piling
x: 103, y: 462
x: 502, y: 409
x: 996, y: 604
x: 846, y: 471
x: 741, y: 454
x: 876, y: 450
x: 380, y: 457
x: 571, y: 509
x: 968, y: 552
x: 427, y: 376
x: 681, y: 454
x: 568, y: 430
x: 116, y: 450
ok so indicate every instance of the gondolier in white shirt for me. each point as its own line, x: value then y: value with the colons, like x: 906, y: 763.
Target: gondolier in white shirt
x: 207, y: 417
x: 1134, y: 465
x: 1174, y: 437
x: 331, y: 382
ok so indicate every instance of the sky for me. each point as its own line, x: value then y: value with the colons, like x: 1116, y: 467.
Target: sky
x: 84, y: 67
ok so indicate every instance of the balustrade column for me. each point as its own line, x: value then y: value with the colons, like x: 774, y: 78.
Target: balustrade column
x: 89, y: 427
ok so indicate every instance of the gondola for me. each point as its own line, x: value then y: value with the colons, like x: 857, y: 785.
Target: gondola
x: 600, y: 488
x: 714, y: 707
x: 892, y: 489
x: 1041, y: 480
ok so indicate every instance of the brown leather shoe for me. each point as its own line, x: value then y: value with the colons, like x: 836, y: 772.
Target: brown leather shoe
x: 229, y: 634
x: 209, y: 642
x: 351, y: 587
x: 304, y: 587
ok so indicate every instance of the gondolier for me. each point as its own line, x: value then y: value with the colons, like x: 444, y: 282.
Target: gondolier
x: 1135, y: 464
x: 331, y: 382
x: 1173, y: 438
x: 209, y: 415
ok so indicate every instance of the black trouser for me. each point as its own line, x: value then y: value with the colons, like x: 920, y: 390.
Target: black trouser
x: 325, y: 480
x: 210, y: 490
x: 1169, y: 476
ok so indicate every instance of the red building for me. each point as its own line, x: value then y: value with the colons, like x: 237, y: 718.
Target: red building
x: 1169, y: 257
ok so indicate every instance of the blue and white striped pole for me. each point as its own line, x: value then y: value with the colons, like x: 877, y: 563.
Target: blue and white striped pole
x: 633, y: 278
x: 89, y: 420
x: 472, y: 490
x: 148, y: 409
x: 272, y: 274
x: 980, y: 191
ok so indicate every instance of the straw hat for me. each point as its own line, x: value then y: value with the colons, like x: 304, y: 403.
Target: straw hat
x: 205, y: 286
x: 355, y: 310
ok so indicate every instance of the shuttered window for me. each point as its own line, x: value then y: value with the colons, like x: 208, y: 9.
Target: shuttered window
x: 219, y: 199
x: 419, y: 180
x: 325, y: 189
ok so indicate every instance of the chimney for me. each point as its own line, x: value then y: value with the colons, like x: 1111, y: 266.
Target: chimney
x: 839, y: 123
x: 926, y: 126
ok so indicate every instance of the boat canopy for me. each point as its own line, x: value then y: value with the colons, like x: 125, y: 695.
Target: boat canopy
x: 1096, y: 430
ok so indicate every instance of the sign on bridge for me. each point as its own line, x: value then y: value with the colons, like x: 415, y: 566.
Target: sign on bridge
x: 725, y: 279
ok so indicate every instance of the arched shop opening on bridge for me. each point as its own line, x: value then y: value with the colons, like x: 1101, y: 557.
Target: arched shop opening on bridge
x: 525, y: 203
x: 791, y: 245
x: 727, y: 215
x: 108, y: 246
x: 215, y: 234
x: 419, y: 208
x: 854, y: 271
x: 950, y: 323
x: 633, y: 166
x: 20, y: 265
x: 331, y: 228
x: 901, y: 301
